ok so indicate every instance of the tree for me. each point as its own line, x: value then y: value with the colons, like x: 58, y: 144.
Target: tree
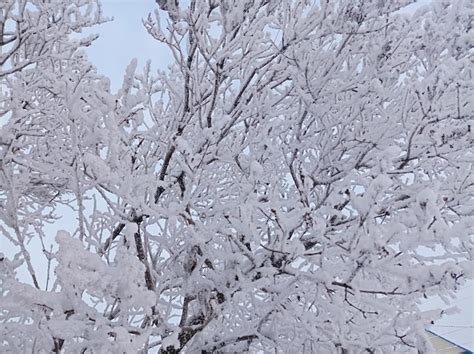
x: 299, y: 180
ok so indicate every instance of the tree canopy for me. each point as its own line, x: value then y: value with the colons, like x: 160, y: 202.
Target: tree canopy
x: 299, y: 179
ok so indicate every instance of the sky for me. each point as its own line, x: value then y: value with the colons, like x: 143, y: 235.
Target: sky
x: 125, y: 38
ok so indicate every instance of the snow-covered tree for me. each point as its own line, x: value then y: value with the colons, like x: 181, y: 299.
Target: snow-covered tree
x: 299, y: 180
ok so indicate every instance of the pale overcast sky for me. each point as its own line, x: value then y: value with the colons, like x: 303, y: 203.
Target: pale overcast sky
x: 125, y: 38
